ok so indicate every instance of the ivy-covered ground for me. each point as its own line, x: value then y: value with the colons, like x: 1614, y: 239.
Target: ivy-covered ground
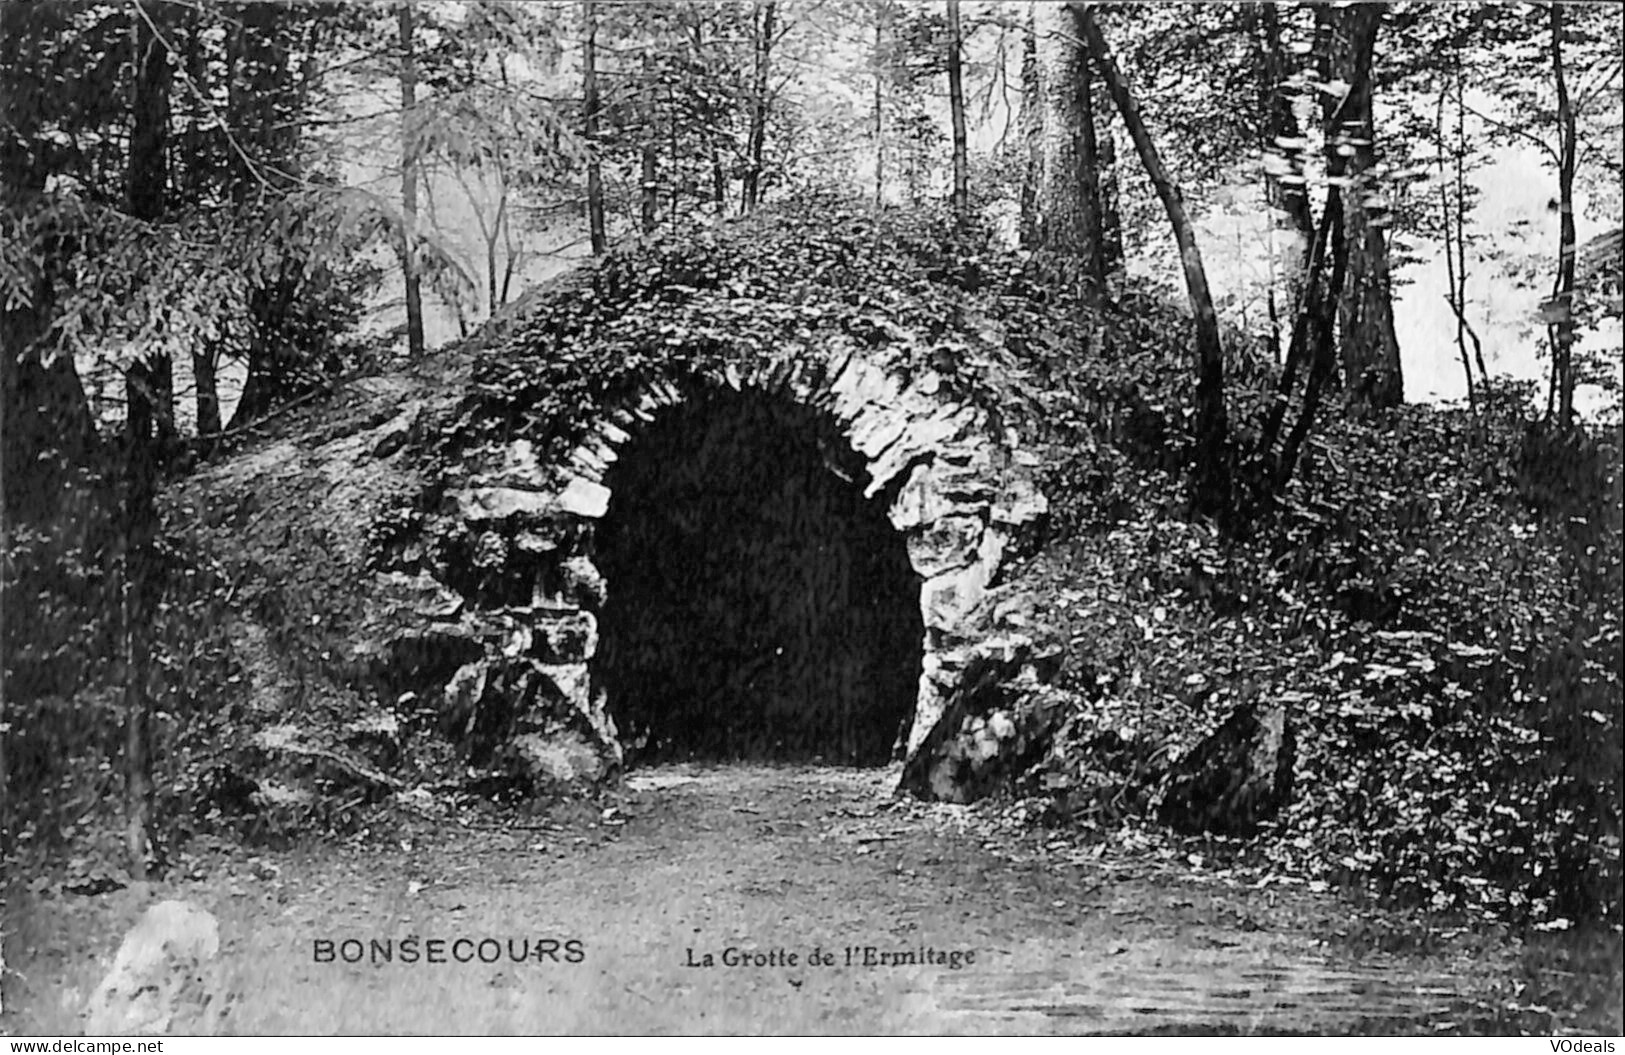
x: 1436, y: 597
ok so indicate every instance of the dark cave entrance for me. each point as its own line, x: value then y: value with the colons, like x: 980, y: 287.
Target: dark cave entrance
x: 759, y: 606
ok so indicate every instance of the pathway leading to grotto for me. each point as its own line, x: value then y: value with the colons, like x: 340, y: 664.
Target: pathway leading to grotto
x: 770, y: 862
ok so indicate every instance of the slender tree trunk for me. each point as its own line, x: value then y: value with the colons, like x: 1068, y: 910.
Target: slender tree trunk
x: 510, y: 266
x: 1031, y: 122
x: 198, y: 174
x: 146, y: 188
x: 492, y: 239
x: 1323, y: 361
x: 590, y: 107
x: 882, y: 10
x: 673, y: 151
x: 648, y: 154
x: 1213, y: 483
x: 1368, y: 342
x: 1310, y: 314
x: 1461, y: 225
x: 198, y: 171
x: 1452, y: 217
x: 956, y: 107
x: 1452, y: 297
x: 1112, y: 263
x: 409, y: 179
x: 751, y: 192
x: 162, y: 368
x: 649, y: 169
x: 1561, y: 305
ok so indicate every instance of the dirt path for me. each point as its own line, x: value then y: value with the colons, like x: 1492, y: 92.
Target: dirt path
x: 774, y: 861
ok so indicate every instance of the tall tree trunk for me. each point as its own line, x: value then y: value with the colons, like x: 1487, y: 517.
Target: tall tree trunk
x: 1030, y: 120
x: 649, y: 168
x: 409, y: 179
x: 648, y: 159
x: 146, y: 188
x: 1560, y: 308
x: 1212, y: 468
x: 1292, y: 227
x: 199, y: 172
x: 673, y: 151
x: 590, y: 106
x: 1088, y: 156
x: 751, y: 192
x: 883, y: 12
x: 1066, y: 203
x: 956, y: 108
x: 1112, y: 262
x: 1367, y: 341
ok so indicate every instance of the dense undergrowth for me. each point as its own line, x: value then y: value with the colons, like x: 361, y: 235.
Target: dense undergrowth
x: 1436, y: 597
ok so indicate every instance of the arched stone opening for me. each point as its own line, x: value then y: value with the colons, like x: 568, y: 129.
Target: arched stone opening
x: 758, y: 605
x: 909, y: 489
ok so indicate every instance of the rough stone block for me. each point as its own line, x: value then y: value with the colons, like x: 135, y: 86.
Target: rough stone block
x: 395, y: 433
x: 566, y: 682
x: 1021, y: 503
x: 1237, y: 777
x: 487, y: 504
x: 519, y: 460
x: 919, y: 501
x: 875, y: 429
x: 155, y: 980
x: 584, y: 498
x: 945, y: 544
x: 564, y: 637
x: 947, y: 599
x: 564, y: 760
x: 584, y: 583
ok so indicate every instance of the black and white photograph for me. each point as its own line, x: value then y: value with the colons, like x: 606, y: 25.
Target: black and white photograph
x: 811, y: 518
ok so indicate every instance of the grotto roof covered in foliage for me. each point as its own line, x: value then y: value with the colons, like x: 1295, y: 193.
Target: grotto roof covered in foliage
x: 694, y: 304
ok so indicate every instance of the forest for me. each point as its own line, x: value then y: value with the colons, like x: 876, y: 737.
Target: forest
x: 1303, y: 320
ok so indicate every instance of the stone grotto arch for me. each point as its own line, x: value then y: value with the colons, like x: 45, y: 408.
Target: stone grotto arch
x: 756, y: 490
x: 780, y: 563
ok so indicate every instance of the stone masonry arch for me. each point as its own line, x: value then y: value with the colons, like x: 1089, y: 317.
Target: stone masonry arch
x: 420, y: 562
x: 958, y: 494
